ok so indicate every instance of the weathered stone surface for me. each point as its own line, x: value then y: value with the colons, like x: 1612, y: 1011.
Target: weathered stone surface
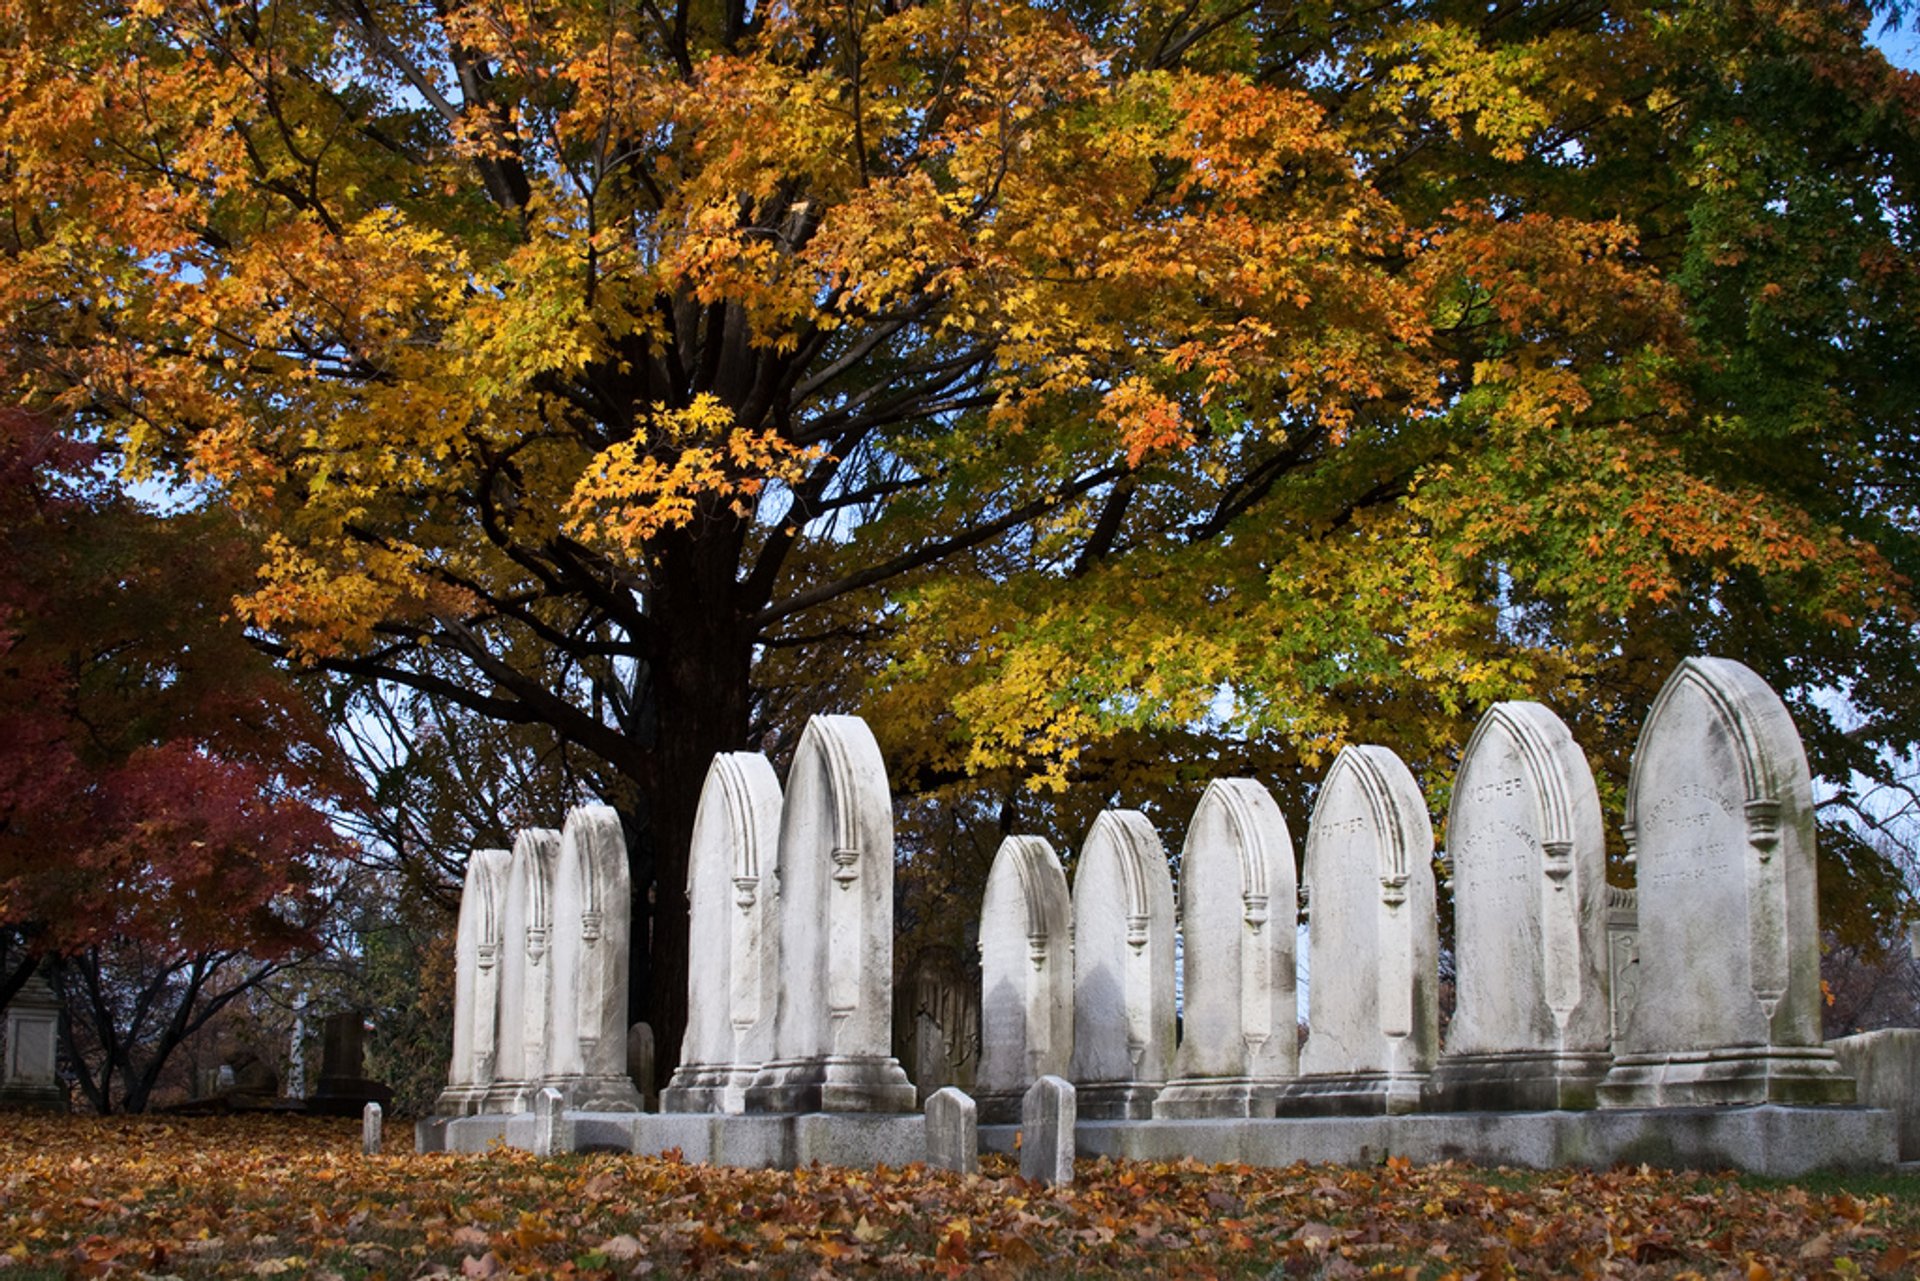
x: 1720, y: 824
x: 526, y: 973
x: 1123, y: 1018
x: 833, y: 1032
x: 1048, y: 1119
x: 1372, y: 941
x: 640, y: 1056
x: 953, y: 1132
x: 551, y: 1133
x: 1531, y: 1026
x: 31, y: 1079
x: 478, y: 960
x: 587, y: 1019
x: 733, y: 973
x: 1885, y: 1066
x: 1623, y: 957
x: 1239, y: 1043
x: 371, y: 1117
x: 1026, y: 976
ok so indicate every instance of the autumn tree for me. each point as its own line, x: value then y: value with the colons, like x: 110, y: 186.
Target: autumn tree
x: 1095, y: 393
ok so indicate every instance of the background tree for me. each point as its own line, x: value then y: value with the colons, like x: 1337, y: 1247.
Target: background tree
x: 1096, y: 393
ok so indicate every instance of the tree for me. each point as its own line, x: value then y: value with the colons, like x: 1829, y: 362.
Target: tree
x: 163, y: 840
x: 1094, y: 392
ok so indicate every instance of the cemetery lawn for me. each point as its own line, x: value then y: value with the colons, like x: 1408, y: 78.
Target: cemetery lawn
x: 267, y: 1196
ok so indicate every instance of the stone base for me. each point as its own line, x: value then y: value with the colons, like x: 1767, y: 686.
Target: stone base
x: 1546, y: 1081
x: 1352, y: 1094
x: 460, y: 1100
x: 754, y: 1142
x: 708, y: 1087
x: 1732, y: 1075
x: 1197, y: 1097
x: 1116, y: 1100
x: 597, y: 1093
x: 1885, y: 1066
x: 839, y: 1083
x: 35, y: 1098
x: 1778, y: 1142
x: 998, y: 1107
x: 504, y: 1098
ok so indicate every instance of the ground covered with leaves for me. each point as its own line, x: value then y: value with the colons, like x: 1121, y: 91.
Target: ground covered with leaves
x: 278, y: 1196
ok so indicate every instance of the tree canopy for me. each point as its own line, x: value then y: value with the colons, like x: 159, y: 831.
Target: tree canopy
x: 1093, y: 392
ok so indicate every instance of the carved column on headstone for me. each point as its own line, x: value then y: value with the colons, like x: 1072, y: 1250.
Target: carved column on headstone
x: 526, y: 972
x: 1026, y: 976
x: 1372, y: 943
x: 1123, y: 1018
x: 587, y: 1021
x: 1530, y: 1028
x: 833, y: 1025
x: 476, y: 985
x: 1720, y: 826
x: 733, y: 903
x: 1623, y: 959
x: 1239, y: 1043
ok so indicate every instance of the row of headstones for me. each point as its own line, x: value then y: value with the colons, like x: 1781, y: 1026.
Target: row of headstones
x: 1719, y: 974
x: 540, y: 973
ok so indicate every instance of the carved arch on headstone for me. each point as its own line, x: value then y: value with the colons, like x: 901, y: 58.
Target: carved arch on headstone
x: 1049, y: 910
x: 1739, y: 700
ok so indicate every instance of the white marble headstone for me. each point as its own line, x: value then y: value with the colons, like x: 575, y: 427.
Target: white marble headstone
x: 1530, y: 1027
x: 526, y: 972
x: 1026, y: 976
x: 1239, y: 1042
x: 477, y: 964
x: 1720, y: 826
x: 1123, y: 1017
x: 1372, y: 940
x: 833, y: 1023
x: 587, y: 1020
x: 733, y: 973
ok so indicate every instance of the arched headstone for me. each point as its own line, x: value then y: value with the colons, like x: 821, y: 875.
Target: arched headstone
x: 733, y: 974
x: 1239, y: 1040
x: 1123, y: 1020
x: 526, y: 972
x: 833, y: 1025
x: 1372, y: 940
x: 1720, y: 825
x: 477, y: 964
x: 587, y: 1020
x: 1026, y: 977
x: 1531, y: 1023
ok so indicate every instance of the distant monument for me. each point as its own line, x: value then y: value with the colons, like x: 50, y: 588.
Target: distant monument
x: 33, y: 1037
x: 344, y: 1089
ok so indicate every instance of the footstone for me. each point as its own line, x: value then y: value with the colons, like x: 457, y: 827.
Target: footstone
x: 526, y: 972
x: 1239, y: 1043
x: 733, y: 902
x: 1885, y: 1066
x: 1372, y: 940
x: 833, y: 1031
x: 953, y: 1134
x: 1720, y: 826
x: 1047, y: 1122
x: 477, y: 966
x: 1530, y: 1028
x: 550, y: 1131
x: 30, y: 1079
x: 370, y: 1121
x: 586, y: 1041
x: 1026, y: 976
x: 1123, y: 1017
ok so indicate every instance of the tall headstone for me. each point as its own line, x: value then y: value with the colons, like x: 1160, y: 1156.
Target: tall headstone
x: 478, y: 959
x: 1239, y: 1043
x: 733, y: 898
x: 833, y: 1023
x: 1720, y: 827
x: 1026, y: 976
x: 1531, y: 1023
x: 587, y: 1018
x: 1123, y: 1017
x: 1372, y: 940
x: 526, y: 972
x: 31, y: 1079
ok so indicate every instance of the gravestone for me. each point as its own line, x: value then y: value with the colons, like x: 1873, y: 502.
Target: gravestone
x: 526, y: 972
x: 344, y: 1088
x: 1720, y: 827
x: 371, y: 1116
x: 586, y: 1043
x: 552, y: 1133
x: 1239, y: 1043
x: 1372, y: 943
x: 1123, y: 1018
x: 953, y: 1131
x: 477, y: 964
x: 733, y: 902
x: 31, y: 1078
x: 834, y: 1014
x: 1531, y: 1026
x: 1047, y: 1121
x: 1026, y: 976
